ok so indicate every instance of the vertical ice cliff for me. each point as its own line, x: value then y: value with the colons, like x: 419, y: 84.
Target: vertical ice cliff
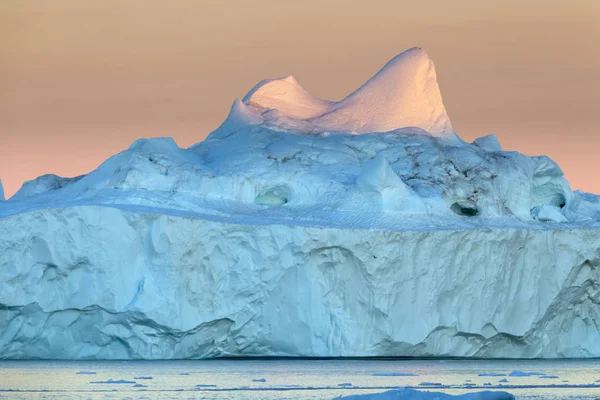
x: 98, y: 282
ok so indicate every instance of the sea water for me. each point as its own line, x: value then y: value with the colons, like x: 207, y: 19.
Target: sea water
x: 293, y: 378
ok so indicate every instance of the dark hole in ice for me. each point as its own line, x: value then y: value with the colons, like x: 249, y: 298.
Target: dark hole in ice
x: 465, y: 208
x: 275, y: 196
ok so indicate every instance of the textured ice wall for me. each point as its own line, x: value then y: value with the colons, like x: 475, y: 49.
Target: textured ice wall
x: 98, y: 282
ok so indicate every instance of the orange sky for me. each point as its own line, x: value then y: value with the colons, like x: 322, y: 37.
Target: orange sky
x: 80, y: 79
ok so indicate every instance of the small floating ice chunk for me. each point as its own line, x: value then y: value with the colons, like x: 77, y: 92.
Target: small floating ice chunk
x: 184, y: 373
x: 430, y: 384
x: 143, y: 377
x: 393, y: 374
x: 205, y: 386
x: 139, y: 385
x: 86, y: 373
x: 262, y: 380
x: 487, y: 384
x: 111, y: 381
x: 523, y: 374
x: 548, y: 377
x: 503, y: 380
x: 491, y: 374
x: 345, y: 384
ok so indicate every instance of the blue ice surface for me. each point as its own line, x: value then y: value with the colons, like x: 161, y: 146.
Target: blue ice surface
x: 205, y: 386
x: 430, y: 384
x: 393, y: 374
x: 491, y: 374
x: 548, y: 377
x: 345, y: 384
x: 86, y: 373
x: 259, y: 380
x: 142, y: 377
x: 503, y: 380
x: 139, y: 385
x: 184, y: 373
x: 114, y: 381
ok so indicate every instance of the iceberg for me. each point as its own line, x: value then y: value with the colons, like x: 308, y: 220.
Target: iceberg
x: 114, y: 382
x: 305, y: 227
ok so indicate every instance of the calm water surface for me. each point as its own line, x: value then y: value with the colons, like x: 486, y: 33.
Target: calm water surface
x: 289, y: 379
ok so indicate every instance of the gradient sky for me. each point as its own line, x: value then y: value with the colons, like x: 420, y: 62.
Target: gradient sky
x: 80, y: 79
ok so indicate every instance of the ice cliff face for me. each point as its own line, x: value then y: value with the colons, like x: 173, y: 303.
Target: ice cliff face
x: 100, y: 282
x: 303, y: 227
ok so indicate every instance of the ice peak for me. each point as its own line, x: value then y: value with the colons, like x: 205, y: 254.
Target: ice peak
x: 403, y: 94
x: 415, y: 55
x: 287, y: 96
x: 1, y: 191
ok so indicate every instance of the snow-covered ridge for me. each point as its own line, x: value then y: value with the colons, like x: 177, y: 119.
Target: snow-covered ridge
x: 321, y: 219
